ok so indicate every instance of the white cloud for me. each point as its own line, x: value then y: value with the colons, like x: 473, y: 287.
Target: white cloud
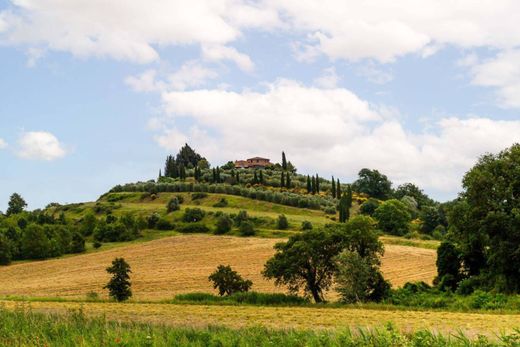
x: 145, y: 82
x: 218, y: 52
x: 501, y: 72
x: 40, y: 145
x: 329, y: 79
x: 3, y: 144
x: 334, y: 131
x: 374, y: 74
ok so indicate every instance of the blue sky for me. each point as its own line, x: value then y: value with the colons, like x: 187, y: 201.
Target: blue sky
x: 94, y: 94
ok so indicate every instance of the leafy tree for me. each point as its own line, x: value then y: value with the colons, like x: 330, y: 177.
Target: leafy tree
x: 88, y: 224
x: 448, y: 266
x: 369, y: 207
x: 119, y: 285
x: 410, y: 189
x: 228, y: 281
x: 306, y: 261
x: 255, y: 178
x: 284, y: 162
x: 430, y: 219
x: 173, y: 205
x: 317, y: 184
x: 16, y: 204
x: 223, y: 224
x: 288, y: 181
x: 188, y: 157
x: 261, y: 177
x: 241, y: 217
x: 246, y: 228
x: 203, y: 164
x: 193, y: 215
x: 373, y: 183
x: 411, y: 205
x: 393, y: 217
x: 282, y: 223
x: 5, y: 250
x: 34, y: 243
x: 77, y: 244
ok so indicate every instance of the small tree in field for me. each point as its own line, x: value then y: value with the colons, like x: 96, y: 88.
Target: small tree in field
x: 228, y: 281
x: 282, y: 223
x: 173, y: 205
x: 16, y: 204
x: 119, y: 285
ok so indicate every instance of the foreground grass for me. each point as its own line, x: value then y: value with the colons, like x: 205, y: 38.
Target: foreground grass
x: 290, y: 317
x: 24, y: 327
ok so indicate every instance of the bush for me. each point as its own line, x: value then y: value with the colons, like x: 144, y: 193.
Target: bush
x: 393, y: 217
x: 282, y: 223
x: 173, y: 205
x: 329, y: 210
x: 246, y: 229
x: 152, y: 220
x: 241, y: 217
x: 192, y: 215
x: 198, y: 195
x: 97, y: 244
x: 369, y: 207
x: 163, y: 224
x: 228, y: 281
x: 223, y: 225
x: 193, y: 228
x: 306, y: 225
x: 222, y: 203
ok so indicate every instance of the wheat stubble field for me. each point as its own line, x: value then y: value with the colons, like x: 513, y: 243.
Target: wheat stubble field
x: 181, y: 264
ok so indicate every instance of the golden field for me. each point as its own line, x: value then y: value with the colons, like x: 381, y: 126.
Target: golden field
x: 165, y: 267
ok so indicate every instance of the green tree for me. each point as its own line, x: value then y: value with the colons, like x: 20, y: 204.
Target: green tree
x: 88, y: 224
x: 5, y: 250
x: 317, y: 184
x: 223, y: 224
x: 430, y: 219
x: 369, y: 207
x: 309, y: 185
x: 188, y: 157
x: 333, y: 188
x: 410, y: 189
x: 449, y: 266
x: 313, y: 185
x: 227, y: 281
x: 288, y: 181
x: 246, y: 228
x: 16, y: 204
x: 282, y: 223
x: 119, y: 286
x: 77, y: 244
x: 373, y: 183
x: 261, y: 177
x: 173, y: 205
x: 338, y: 189
x: 34, y: 243
x: 192, y: 215
x: 284, y: 162
x: 393, y: 217
x: 306, y: 261
x: 282, y: 180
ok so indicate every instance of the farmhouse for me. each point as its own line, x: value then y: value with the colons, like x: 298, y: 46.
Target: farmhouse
x: 253, y: 163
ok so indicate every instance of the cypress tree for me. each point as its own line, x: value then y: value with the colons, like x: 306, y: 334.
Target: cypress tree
x: 182, y: 172
x: 214, y: 173
x: 313, y: 185
x: 309, y: 185
x: 255, y: 178
x: 284, y: 161
x: 317, y: 184
x: 218, y: 174
x: 288, y: 181
x: 342, y: 207
x: 333, y: 189
x: 238, y: 177
x: 160, y: 175
x: 338, y: 189
x: 261, y: 177
x: 282, y: 180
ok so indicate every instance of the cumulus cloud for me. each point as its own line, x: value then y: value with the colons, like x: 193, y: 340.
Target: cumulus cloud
x: 328, y: 79
x: 501, y: 72
x: 334, y: 131
x: 40, y: 145
x: 3, y: 144
x: 218, y: 52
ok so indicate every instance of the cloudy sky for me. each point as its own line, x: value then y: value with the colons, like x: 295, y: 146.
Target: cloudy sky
x: 97, y: 92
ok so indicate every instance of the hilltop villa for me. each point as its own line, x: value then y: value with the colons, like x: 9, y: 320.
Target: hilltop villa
x: 252, y: 163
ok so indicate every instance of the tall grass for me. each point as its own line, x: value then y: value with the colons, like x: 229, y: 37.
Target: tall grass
x: 25, y: 328
x: 250, y: 298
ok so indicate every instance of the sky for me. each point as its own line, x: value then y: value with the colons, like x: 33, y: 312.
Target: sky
x: 95, y: 93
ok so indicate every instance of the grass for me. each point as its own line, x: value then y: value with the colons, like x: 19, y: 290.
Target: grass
x: 246, y: 317
x: 180, y: 264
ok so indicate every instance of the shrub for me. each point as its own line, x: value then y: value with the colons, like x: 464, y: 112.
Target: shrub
x: 163, y: 224
x: 282, y: 223
x: 193, y: 228
x: 246, y: 229
x: 152, y: 220
x: 393, y: 217
x: 97, y: 244
x: 222, y: 203
x: 173, y: 205
x: 369, y: 207
x: 180, y: 198
x: 228, y: 281
x: 198, y: 195
x: 223, y: 225
x: 306, y: 225
x: 329, y: 210
x: 192, y: 215
x: 241, y: 217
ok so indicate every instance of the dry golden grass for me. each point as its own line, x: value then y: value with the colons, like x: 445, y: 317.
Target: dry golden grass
x: 287, y: 317
x: 180, y: 264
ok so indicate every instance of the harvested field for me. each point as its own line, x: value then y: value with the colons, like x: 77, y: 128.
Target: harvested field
x: 180, y: 264
x: 471, y: 324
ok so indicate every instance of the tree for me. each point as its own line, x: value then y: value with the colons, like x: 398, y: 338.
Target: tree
x: 119, y: 285
x: 173, y: 205
x: 448, y: 266
x: 369, y: 207
x: 284, y: 162
x: 282, y: 223
x: 188, y: 157
x: 410, y: 189
x: 255, y: 178
x: 333, y: 188
x: 261, y: 177
x: 393, y: 217
x: 223, y: 224
x: 16, y: 204
x: 203, y: 164
x: 373, y: 183
x: 246, y: 228
x: 317, y: 184
x: 288, y: 181
x: 228, y: 281
x: 411, y: 205
x: 338, y: 189
x: 306, y: 261
x: 193, y: 215
x: 88, y: 224
x: 35, y: 244
x: 345, y: 203
x: 5, y: 250
x: 309, y: 185
x: 430, y: 219
x: 313, y: 185
x: 282, y: 180
x: 77, y: 244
